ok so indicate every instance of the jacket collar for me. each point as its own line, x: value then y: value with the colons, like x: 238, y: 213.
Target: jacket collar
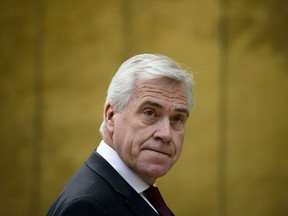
x: 134, y: 201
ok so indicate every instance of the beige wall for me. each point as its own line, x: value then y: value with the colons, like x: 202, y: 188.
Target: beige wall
x: 56, y: 61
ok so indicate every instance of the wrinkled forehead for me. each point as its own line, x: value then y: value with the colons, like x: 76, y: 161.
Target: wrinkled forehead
x: 160, y: 83
x: 161, y: 89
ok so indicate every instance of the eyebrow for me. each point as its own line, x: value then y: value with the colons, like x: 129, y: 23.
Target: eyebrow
x: 155, y: 104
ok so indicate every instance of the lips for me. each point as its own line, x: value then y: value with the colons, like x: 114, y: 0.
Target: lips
x: 157, y: 151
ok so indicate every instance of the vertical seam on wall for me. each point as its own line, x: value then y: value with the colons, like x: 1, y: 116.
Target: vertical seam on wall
x: 127, y: 28
x: 223, y: 109
x: 38, y: 110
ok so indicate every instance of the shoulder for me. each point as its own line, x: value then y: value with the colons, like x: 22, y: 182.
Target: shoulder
x: 82, y: 206
x: 86, y: 191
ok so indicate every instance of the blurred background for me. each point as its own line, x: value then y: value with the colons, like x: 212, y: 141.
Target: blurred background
x: 58, y: 57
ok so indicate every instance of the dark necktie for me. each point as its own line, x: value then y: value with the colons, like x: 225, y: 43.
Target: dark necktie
x: 155, y: 198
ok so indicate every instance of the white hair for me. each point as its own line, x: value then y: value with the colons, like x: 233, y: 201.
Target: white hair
x: 144, y: 67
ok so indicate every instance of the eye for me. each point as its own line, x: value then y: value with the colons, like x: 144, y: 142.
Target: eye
x: 179, y: 119
x: 150, y: 116
x: 149, y: 113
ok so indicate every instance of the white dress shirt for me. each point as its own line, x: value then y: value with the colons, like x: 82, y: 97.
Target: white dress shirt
x: 111, y: 156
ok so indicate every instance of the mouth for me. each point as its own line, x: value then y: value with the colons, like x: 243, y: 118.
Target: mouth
x: 157, y: 152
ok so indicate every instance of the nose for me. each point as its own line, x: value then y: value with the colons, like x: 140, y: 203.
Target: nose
x: 163, y: 130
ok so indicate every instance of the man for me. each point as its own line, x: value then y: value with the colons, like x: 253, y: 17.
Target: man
x: 147, y: 105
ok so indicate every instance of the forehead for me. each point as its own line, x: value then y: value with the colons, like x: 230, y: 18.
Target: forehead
x: 164, y: 91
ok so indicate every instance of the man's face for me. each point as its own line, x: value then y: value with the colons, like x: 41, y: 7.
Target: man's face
x: 148, y: 134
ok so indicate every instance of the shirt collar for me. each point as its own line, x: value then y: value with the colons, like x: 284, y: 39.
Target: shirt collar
x: 111, y: 156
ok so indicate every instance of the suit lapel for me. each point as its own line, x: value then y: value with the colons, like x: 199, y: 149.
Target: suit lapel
x: 139, y: 206
x: 134, y: 201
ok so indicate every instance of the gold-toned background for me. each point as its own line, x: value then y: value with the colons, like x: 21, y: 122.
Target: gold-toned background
x: 56, y: 61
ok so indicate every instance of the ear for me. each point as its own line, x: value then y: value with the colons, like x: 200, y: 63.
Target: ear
x: 109, y: 118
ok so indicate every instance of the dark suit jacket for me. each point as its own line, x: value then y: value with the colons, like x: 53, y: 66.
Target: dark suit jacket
x: 97, y: 189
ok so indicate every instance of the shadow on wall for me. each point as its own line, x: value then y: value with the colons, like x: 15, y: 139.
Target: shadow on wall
x: 268, y: 22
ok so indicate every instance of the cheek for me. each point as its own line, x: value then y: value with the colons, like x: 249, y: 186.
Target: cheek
x: 125, y: 136
x: 178, y: 143
x: 120, y: 132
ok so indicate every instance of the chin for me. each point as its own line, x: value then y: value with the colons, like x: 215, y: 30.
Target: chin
x: 156, y: 171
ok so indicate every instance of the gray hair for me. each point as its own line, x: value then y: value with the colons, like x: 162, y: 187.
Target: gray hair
x: 144, y: 67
